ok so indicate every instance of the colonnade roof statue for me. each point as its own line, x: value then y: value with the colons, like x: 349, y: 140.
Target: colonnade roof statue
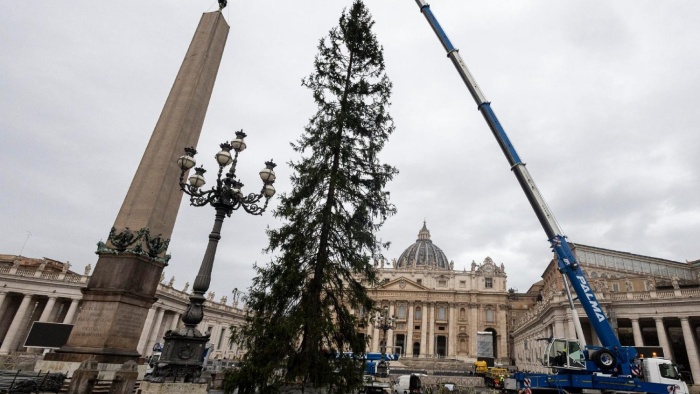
x: 423, y: 254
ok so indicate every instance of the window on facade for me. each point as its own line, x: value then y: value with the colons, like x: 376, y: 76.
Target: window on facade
x: 361, y: 312
x: 401, y: 313
x: 462, y: 283
x: 615, y: 287
x: 419, y: 314
x: 489, y: 315
x: 462, y: 314
x: 442, y: 283
x: 488, y: 283
x: 442, y: 313
x: 419, y: 281
x: 416, y: 327
x: 441, y: 328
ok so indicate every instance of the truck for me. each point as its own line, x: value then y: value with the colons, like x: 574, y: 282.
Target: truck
x: 575, y: 366
x: 409, y: 384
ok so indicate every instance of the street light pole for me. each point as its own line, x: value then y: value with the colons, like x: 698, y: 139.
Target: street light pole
x: 184, y: 348
x: 385, y: 323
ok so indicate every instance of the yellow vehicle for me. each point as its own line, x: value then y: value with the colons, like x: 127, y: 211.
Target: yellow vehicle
x: 495, y: 377
x: 480, y: 368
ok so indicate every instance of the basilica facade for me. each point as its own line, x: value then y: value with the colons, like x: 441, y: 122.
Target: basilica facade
x: 439, y: 310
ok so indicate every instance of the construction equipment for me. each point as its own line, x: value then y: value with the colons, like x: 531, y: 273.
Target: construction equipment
x: 495, y: 376
x: 610, y: 367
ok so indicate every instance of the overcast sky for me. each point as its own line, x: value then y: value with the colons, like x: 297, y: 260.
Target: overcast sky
x: 599, y: 98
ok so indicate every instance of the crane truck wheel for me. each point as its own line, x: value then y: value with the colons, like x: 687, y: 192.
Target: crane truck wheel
x: 604, y: 359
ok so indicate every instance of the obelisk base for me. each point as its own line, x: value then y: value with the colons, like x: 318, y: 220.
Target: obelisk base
x: 115, y: 304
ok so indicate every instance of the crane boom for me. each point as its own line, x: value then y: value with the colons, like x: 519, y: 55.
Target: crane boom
x: 566, y: 260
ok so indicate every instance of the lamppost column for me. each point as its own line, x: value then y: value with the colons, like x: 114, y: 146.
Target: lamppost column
x: 195, y: 310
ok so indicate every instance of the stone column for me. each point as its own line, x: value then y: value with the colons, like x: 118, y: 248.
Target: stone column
x: 408, y: 346
x: 691, y: 348
x: 663, y: 338
x: 559, y: 327
x: 637, y: 332
x: 47, y: 309
x: 123, y: 285
x: 146, y: 331
x: 451, y: 332
x: 176, y: 321
x: 431, y: 333
x: 571, y: 329
x: 16, y: 326
x: 473, y: 327
x: 424, y: 330
x: 3, y: 295
x: 71, y: 312
x: 156, y: 331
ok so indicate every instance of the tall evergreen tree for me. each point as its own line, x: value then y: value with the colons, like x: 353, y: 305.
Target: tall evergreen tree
x: 300, y: 303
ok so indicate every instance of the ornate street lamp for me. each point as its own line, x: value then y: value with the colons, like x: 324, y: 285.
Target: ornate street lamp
x: 385, y: 323
x: 183, y: 351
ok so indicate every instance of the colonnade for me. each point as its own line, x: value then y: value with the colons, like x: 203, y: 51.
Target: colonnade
x: 528, y: 350
x: 15, y: 321
x: 18, y: 311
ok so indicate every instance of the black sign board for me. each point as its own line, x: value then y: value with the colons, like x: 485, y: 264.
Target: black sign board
x: 48, y: 335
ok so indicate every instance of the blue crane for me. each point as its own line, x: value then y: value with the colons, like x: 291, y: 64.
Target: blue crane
x: 599, y: 367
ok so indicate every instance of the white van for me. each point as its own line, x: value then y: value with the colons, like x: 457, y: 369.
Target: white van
x: 408, y: 384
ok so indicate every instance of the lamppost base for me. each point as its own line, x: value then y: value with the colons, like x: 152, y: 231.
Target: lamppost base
x: 182, y: 357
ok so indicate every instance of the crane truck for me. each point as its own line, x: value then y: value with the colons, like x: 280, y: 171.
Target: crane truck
x: 576, y: 366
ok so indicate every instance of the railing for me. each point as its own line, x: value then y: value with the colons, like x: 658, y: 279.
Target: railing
x: 539, y: 308
x: 30, y: 382
x: 49, y: 275
x: 25, y: 272
x: 43, y: 274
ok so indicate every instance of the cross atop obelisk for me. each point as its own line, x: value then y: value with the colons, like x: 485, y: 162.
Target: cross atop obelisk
x: 123, y: 285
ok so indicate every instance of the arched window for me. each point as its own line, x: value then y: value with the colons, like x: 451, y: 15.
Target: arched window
x: 419, y: 313
x: 462, y: 314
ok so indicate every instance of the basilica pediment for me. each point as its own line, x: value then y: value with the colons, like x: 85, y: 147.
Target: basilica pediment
x: 402, y: 284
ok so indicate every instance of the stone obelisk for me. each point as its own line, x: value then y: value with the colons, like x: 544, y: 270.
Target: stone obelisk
x: 128, y: 270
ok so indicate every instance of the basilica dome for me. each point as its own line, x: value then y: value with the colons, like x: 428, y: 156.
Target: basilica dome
x: 423, y: 254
